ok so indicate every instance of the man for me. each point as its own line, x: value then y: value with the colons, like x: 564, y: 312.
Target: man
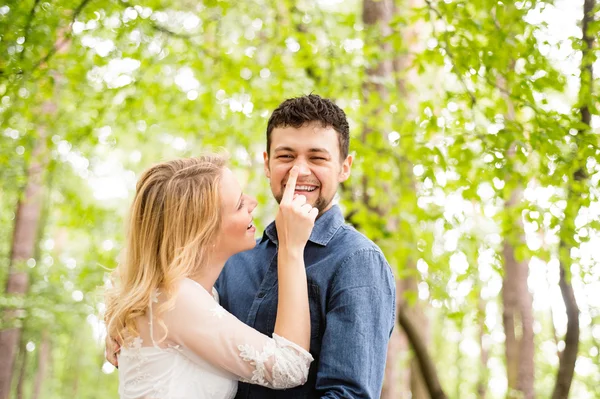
x: 350, y: 284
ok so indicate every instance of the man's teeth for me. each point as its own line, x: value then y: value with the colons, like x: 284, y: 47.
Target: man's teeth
x: 305, y: 188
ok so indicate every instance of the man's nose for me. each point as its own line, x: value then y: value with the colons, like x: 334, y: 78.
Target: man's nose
x: 303, y: 169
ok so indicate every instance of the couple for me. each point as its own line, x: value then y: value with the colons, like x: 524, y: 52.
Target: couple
x: 304, y: 312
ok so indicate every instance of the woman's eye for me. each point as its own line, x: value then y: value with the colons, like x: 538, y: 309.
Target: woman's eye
x: 241, y: 205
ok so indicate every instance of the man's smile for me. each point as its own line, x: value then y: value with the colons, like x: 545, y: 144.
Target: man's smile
x: 304, y: 188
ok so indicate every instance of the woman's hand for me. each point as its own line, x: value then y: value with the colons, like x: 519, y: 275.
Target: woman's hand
x: 296, y: 217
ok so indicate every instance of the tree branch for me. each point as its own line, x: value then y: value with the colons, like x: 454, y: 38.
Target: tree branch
x: 568, y: 358
x: 422, y: 354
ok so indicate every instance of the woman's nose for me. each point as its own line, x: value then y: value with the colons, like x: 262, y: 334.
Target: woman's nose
x: 253, y: 204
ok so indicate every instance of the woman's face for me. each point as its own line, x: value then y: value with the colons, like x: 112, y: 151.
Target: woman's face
x: 237, y: 231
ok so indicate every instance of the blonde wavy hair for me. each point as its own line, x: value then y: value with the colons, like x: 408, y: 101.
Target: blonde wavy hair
x: 174, y: 218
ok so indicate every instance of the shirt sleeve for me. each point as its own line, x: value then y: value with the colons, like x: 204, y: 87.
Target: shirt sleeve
x: 199, y: 323
x: 359, y: 322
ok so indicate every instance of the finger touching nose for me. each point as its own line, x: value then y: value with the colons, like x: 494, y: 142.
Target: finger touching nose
x: 303, y: 169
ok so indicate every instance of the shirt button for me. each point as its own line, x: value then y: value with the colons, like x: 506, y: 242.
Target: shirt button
x: 261, y: 294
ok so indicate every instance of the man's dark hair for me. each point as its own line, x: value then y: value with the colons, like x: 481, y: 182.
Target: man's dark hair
x: 296, y: 112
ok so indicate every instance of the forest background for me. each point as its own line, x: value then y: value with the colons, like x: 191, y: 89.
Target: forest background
x: 475, y: 129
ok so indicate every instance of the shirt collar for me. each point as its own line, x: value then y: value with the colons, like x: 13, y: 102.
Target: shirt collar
x: 323, y: 231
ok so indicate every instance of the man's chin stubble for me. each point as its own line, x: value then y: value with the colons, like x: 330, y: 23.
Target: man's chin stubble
x: 321, y: 203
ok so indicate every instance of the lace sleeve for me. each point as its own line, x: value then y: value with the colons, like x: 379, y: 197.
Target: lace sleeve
x: 199, y: 323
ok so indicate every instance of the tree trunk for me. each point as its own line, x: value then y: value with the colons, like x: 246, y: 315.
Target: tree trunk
x: 483, y: 380
x: 517, y: 315
x: 397, y: 377
x: 566, y: 366
x: 377, y: 15
x: 418, y: 388
x: 568, y: 357
x: 23, y: 246
x: 402, y: 373
x: 43, y: 356
x: 526, y: 346
x: 22, y: 369
x: 518, y: 321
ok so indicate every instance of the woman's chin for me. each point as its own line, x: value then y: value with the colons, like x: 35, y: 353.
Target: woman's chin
x: 249, y: 243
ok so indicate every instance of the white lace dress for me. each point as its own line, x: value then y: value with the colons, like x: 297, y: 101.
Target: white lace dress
x: 206, y: 352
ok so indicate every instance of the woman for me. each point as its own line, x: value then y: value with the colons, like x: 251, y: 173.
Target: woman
x: 188, y: 216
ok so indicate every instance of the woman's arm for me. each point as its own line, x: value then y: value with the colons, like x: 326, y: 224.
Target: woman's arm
x: 294, y: 221
x: 200, y: 324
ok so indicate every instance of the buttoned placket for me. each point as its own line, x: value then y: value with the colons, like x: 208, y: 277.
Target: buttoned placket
x: 269, y: 281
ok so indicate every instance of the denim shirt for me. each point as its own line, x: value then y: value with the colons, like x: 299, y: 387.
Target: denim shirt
x: 352, y: 307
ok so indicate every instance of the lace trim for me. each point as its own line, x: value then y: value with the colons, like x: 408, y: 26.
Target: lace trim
x: 290, y: 363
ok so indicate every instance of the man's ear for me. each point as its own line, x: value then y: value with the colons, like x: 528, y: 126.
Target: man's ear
x: 267, y: 170
x: 346, y: 169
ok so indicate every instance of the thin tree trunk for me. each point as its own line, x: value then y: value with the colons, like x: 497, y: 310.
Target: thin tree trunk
x: 482, y: 382
x: 43, y: 357
x: 403, y: 374
x: 418, y: 388
x: 22, y: 369
x: 566, y: 367
x: 377, y: 15
x: 568, y: 356
x: 458, y: 361
x: 397, y: 376
x: 527, y: 345
x: 23, y: 247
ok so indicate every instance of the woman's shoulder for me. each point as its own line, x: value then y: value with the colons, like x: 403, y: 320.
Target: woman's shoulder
x: 190, y: 293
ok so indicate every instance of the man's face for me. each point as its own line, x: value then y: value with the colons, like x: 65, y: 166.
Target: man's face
x: 315, y: 150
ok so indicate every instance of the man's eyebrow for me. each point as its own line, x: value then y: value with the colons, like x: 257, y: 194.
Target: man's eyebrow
x: 284, y: 148
x: 318, y: 150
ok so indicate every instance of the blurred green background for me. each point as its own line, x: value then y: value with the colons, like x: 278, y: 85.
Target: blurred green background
x: 475, y: 130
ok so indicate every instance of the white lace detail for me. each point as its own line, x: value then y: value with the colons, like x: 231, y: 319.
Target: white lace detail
x: 258, y: 360
x: 135, y: 354
x: 286, y: 370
